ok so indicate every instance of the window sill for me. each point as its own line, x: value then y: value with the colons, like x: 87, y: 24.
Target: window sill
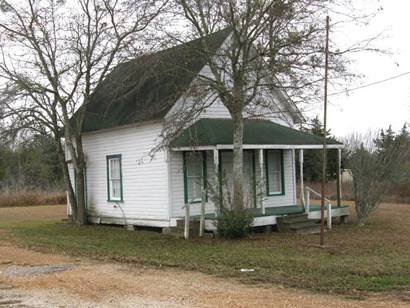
x: 196, y: 201
x: 275, y: 194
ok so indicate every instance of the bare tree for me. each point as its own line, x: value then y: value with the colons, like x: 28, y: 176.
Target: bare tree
x: 375, y: 170
x: 273, y: 47
x: 54, y: 55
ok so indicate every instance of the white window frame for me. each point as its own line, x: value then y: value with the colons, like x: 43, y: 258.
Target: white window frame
x: 273, y: 173
x: 110, y: 179
x: 197, y: 178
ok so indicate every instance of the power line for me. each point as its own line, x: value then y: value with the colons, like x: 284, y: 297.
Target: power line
x: 370, y: 84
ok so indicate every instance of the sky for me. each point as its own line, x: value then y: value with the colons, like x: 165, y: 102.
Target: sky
x: 384, y: 104
x: 387, y: 103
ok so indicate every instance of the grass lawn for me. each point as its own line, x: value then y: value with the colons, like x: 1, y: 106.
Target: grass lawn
x: 371, y: 258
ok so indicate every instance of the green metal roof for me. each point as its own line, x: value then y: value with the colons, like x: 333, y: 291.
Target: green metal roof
x: 146, y: 88
x: 206, y: 132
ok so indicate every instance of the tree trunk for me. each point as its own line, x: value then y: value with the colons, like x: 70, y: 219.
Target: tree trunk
x: 77, y: 159
x: 67, y: 180
x: 80, y: 183
x: 80, y: 197
x: 237, y: 168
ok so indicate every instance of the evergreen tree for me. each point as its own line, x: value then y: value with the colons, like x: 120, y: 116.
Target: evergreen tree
x: 313, y: 158
x: 399, y: 144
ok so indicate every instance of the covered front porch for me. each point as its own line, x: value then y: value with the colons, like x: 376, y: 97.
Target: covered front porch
x: 269, y: 218
x: 269, y: 171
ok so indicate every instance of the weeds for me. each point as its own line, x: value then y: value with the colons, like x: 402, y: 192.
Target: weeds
x: 31, y: 198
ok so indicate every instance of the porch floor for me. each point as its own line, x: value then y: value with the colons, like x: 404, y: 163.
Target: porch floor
x: 277, y: 211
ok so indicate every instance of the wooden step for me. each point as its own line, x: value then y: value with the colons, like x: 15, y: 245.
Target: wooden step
x: 297, y: 226
x: 292, y: 218
x: 298, y: 223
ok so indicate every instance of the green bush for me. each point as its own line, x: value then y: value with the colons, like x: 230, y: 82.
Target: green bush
x: 234, y: 223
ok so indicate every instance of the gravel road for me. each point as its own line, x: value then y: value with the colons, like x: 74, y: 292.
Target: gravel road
x: 33, y: 279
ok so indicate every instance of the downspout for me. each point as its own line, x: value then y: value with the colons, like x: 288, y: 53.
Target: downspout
x: 122, y: 211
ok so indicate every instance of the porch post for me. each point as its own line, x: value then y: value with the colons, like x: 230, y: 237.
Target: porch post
x: 261, y: 180
x: 338, y: 181
x: 216, y: 186
x: 302, y: 192
x: 187, y: 222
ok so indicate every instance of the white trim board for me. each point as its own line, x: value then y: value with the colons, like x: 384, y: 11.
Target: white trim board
x: 258, y: 146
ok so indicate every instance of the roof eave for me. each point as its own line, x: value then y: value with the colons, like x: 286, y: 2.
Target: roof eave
x: 258, y: 146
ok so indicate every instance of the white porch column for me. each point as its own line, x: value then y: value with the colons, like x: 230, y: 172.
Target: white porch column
x: 216, y: 186
x: 261, y: 179
x: 302, y: 192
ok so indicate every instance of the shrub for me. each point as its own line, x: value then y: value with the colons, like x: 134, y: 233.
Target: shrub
x: 234, y: 223
x: 376, y: 170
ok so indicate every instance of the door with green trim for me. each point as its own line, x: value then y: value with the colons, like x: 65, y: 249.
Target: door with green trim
x: 248, y: 176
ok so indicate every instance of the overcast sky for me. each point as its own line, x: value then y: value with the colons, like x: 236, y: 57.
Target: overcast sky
x: 387, y: 103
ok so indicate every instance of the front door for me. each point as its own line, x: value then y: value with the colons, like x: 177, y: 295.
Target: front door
x: 226, y: 166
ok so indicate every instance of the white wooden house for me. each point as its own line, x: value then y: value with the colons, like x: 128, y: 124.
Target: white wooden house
x: 126, y: 116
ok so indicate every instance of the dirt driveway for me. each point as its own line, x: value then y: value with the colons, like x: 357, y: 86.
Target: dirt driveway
x: 33, y: 279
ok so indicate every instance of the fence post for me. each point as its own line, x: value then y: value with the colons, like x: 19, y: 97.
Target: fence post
x: 186, y: 227
x: 329, y: 216
x: 202, y: 217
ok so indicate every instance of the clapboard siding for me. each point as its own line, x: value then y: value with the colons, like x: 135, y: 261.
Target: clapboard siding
x: 145, y: 182
x: 218, y: 110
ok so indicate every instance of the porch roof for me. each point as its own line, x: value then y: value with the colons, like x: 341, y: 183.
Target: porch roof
x: 257, y: 133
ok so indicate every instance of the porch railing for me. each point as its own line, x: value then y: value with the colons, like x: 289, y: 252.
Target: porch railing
x: 308, y: 191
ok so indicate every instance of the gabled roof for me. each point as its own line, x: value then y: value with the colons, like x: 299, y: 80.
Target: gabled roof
x: 146, y: 88
x: 212, y: 132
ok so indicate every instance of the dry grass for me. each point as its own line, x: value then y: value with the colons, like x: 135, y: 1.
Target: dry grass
x: 399, y: 194
x: 331, y: 190
x: 31, y: 198
x: 371, y: 258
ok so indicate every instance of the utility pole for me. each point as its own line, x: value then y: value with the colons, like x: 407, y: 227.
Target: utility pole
x: 324, y: 159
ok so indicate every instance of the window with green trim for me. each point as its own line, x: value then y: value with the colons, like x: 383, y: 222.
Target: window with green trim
x: 114, y: 178
x: 194, y: 172
x: 274, y: 172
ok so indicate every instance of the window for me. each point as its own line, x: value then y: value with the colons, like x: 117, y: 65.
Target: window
x: 114, y: 178
x: 194, y: 172
x: 274, y: 172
